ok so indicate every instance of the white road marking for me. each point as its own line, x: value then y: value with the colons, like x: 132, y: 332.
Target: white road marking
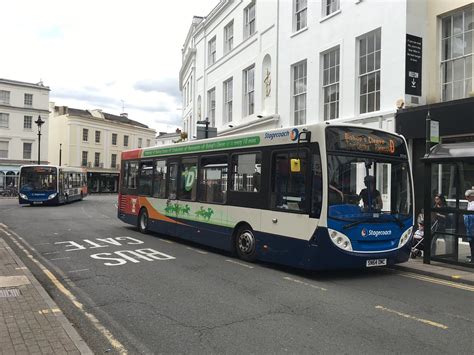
x: 51, y: 252
x: 237, y: 263
x: 66, y: 257
x: 80, y: 270
x: 421, y: 320
x: 166, y: 241
x: 197, y: 250
x: 305, y: 283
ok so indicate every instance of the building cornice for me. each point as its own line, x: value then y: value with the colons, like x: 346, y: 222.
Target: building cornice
x: 20, y: 108
x: 186, y: 64
x: 24, y: 84
x: 106, y: 123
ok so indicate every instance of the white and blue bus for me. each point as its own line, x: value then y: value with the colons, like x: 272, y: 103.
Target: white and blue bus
x: 51, y: 185
x: 322, y: 196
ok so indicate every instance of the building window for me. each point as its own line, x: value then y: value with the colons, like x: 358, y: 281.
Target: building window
x: 331, y: 84
x: 299, y: 15
x: 113, y: 161
x: 211, y: 107
x: 299, y: 92
x: 330, y: 6
x: 125, y: 141
x: 84, y: 158
x: 27, y: 121
x: 249, y: 20
x: 4, y: 120
x: 249, y: 90
x: 369, y: 72
x: 229, y: 37
x: 4, y: 97
x: 97, y: 136
x: 140, y: 142
x: 4, y: 149
x: 114, y: 138
x: 27, y: 150
x: 148, y: 142
x: 28, y: 100
x: 212, y: 51
x: 85, y: 134
x: 96, y: 159
x: 228, y: 100
x: 457, y: 56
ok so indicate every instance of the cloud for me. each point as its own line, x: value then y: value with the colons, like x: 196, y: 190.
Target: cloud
x: 88, y: 96
x: 168, y: 86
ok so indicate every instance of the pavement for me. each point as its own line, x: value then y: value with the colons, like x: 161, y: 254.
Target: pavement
x: 32, y: 323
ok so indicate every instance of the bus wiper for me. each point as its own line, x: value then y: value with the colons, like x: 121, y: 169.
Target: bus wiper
x: 367, y: 220
x: 395, y: 218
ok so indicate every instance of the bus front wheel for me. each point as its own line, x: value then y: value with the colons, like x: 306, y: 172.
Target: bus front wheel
x: 143, y: 221
x: 245, y: 243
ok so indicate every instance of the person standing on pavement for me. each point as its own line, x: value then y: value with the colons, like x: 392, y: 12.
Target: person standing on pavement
x: 469, y: 221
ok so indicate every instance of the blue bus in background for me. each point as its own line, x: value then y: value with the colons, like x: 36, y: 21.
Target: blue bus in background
x: 51, y: 185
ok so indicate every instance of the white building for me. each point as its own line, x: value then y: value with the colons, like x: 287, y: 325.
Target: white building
x: 164, y: 138
x: 258, y: 64
x: 229, y: 66
x: 95, y: 140
x: 20, y: 106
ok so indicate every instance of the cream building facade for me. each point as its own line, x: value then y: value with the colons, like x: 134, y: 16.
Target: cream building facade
x: 95, y: 140
x: 21, y: 104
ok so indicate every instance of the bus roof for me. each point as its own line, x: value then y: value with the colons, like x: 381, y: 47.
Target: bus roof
x: 277, y: 136
x: 64, y: 168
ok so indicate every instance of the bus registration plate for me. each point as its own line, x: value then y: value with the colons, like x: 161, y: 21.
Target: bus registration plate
x: 376, y: 262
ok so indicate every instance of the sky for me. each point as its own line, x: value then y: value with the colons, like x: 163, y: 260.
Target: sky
x: 102, y: 54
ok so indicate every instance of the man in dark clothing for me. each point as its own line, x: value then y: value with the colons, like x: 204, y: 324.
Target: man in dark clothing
x: 373, y: 199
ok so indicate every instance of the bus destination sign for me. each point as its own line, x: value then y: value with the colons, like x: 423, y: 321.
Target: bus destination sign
x: 364, y: 140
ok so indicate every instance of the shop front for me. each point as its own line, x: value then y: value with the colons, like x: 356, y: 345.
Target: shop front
x: 99, y: 182
x: 442, y: 185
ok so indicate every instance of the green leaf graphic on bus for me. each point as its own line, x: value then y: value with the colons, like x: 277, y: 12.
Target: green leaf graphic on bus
x: 206, y: 214
x: 189, y: 177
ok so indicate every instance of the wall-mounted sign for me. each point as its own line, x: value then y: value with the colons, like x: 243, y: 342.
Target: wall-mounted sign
x: 413, y: 65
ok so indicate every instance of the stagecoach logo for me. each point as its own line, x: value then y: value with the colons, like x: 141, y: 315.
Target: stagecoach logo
x: 373, y: 233
x: 293, y: 134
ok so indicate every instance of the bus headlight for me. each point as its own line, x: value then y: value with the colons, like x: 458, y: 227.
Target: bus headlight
x: 52, y: 196
x: 405, y: 237
x: 23, y: 196
x: 340, y: 240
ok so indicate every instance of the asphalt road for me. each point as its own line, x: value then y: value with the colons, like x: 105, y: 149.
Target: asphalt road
x: 126, y: 291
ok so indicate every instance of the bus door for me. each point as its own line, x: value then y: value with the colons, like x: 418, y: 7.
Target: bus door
x: 289, y: 197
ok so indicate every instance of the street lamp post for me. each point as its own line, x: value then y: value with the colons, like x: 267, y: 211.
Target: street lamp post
x: 39, y: 122
x: 60, y: 150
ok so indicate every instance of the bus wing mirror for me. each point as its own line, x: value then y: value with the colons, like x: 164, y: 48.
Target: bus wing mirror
x: 295, y: 165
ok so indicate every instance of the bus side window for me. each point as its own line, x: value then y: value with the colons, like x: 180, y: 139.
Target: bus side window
x: 317, y: 195
x: 132, y: 175
x: 159, y: 179
x: 145, y: 178
x: 188, y: 181
x: 246, y: 172
x: 213, y: 179
x: 125, y: 169
x: 172, y: 181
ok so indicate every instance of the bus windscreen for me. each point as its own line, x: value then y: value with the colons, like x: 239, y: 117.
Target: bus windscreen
x: 38, y: 178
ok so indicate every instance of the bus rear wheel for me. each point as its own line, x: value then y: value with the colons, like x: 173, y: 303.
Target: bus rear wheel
x: 143, y: 221
x: 245, y: 243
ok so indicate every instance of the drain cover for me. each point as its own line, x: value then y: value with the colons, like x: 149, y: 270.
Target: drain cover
x: 12, y: 292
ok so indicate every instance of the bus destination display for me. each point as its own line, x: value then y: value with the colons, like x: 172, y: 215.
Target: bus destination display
x: 364, y: 140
